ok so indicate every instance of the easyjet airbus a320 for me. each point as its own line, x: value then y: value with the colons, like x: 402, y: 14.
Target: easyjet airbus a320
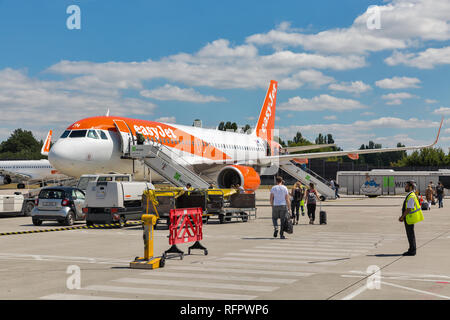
x: 97, y: 145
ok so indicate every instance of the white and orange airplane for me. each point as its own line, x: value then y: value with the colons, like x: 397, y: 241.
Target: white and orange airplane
x: 30, y: 171
x: 98, y: 144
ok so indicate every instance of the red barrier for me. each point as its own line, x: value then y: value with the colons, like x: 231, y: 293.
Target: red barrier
x: 185, y: 225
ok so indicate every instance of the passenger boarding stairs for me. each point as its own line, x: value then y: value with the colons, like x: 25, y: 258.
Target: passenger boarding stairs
x: 167, y: 164
x: 306, y: 176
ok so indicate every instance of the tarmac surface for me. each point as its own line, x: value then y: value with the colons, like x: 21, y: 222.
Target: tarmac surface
x: 357, y: 255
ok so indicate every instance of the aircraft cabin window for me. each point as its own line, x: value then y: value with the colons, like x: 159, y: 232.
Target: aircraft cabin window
x: 65, y: 134
x: 92, y: 134
x: 78, y: 134
x: 104, y: 179
x: 102, y: 135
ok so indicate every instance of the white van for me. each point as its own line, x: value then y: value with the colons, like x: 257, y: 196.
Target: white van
x: 114, y: 201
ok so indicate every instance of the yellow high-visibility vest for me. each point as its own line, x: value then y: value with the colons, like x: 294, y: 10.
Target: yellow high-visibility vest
x: 416, y: 214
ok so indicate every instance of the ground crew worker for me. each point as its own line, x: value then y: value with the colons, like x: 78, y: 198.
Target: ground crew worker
x: 410, y: 205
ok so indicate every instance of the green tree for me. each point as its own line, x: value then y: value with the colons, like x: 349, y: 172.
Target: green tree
x: 21, y: 145
x: 246, y: 128
x: 424, y: 157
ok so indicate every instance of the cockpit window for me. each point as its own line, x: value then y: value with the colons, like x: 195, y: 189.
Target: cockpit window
x: 65, y: 134
x: 93, y: 134
x: 78, y: 134
x: 102, y: 135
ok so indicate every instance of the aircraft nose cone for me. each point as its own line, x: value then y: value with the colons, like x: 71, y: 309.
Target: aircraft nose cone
x: 56, y: 156
x: 62, y: 156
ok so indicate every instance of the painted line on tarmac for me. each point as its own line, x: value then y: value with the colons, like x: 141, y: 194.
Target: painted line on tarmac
x: 317, y: 245
x: 242, y: 270
x: 355, y: 293
x: 95, y: 226
x: 297, y: 251
x: 281, y: 268
x: 398, y: 278
x: 385, y: 266
x: 171, y: 293
x: 284, y: 256
x: 415, y: 290
x: 197, y: 284
x: 312, y: 248
x: 52, y: 258
x: 267, y: 260
x: 398, y: 274
x: 67, y: 296
x: 217, y: 277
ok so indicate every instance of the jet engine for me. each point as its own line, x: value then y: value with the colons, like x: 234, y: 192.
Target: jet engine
x: 245, y: 176
x: 5, y: 180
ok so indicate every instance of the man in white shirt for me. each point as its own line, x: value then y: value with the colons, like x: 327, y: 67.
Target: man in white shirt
x: 279, y: 200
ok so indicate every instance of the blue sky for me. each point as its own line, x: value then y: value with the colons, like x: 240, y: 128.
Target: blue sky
x: 178, y: 60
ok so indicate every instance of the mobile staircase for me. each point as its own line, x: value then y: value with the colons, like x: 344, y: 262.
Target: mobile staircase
x: 306, y: 176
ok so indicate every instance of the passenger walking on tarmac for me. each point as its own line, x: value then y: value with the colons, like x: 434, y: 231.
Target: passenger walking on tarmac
x: 336, y: 189
x: 297, y: 196
x: 409, y: 205
x: 440, y: 194
x: 311, y: 201
x: 429, y: 195
x: 279, y: 200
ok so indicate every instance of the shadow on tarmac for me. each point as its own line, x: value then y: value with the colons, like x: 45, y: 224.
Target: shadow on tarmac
x: 383, y: 255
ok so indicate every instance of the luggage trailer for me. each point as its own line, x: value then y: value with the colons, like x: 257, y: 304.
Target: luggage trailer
x: 214, y: 202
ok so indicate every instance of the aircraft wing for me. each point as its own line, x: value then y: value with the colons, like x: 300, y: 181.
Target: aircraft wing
x: 304, y: 148
x: 353, y: 154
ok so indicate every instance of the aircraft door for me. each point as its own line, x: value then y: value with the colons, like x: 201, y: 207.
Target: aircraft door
x: 126, y: 137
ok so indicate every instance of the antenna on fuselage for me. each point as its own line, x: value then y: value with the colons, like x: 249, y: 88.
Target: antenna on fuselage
x: 107, y: 112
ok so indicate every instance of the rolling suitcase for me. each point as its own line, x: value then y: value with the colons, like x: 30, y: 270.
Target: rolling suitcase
x: 424, y: 205
x: 322, y: 215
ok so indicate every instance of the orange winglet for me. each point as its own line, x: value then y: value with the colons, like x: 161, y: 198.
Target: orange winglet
x: 353, y: 156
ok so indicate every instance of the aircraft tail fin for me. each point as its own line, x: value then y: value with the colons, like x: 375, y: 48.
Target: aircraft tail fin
x: 266, y: 121
x: 46, y: 146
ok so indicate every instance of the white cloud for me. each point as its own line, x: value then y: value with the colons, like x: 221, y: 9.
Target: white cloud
x: 403, y: 24
x: 427, y: 59
x: 167, y: 119
x: 442, y: 111
x: 398, y: 83
x: 332, y: 117
x: 170, y: 92
x: 312, y: 77
x: 217, y: 65
x: 431, y: 101
x: 397, y: 98
x: 351, y: 87
x: 37, y: 103
x: 320, y: 103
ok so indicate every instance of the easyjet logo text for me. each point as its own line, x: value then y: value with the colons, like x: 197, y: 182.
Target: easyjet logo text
x: 157, y: 132
x: 268, y: 114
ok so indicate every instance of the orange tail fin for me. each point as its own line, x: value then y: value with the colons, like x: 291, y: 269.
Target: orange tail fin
x: 266, y: 121
x: 46, y: 146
